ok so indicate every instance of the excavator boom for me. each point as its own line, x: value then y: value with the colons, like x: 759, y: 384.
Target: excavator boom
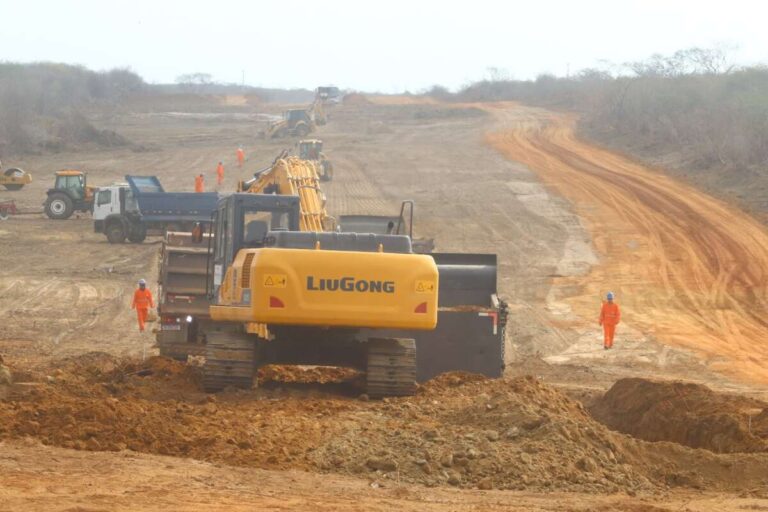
x: 292, y: 176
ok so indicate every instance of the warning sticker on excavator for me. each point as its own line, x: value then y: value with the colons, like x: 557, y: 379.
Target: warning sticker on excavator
x: 275, y: 280
x: 425, y: 286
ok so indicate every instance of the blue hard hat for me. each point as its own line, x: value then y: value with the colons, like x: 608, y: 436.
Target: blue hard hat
x: 609, y: 296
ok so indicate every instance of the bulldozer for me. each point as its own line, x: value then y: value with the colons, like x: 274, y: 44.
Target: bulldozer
x: 312, y: 150
x: 70, y: 194
x: 274, y: 282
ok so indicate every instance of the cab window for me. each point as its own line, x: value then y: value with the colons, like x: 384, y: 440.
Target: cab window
x: 104, y: 197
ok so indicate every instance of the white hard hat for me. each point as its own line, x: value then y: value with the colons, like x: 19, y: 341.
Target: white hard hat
x: 142, y: 281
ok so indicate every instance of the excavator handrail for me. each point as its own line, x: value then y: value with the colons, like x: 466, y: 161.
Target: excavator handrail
x: 400, y: 218
x: 214, y: 219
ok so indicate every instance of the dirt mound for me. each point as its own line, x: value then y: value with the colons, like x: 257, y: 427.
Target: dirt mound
x: 468, y: 431
x: 460, y: 429
x: 685, y: 413
x: 306, y: 375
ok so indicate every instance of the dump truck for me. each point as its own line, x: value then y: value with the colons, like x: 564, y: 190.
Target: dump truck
x: 14, y: 179
x: 329, y: 94
x: 273, y: 282
x: 142, y: 207
x: 70, y: 194
x: 312, y: 150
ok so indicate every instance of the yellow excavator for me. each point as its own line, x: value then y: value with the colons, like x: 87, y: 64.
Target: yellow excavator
x: 275, y: 282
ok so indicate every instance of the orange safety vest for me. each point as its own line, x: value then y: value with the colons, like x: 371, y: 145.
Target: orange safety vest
x: 198, y: 183
x: 610, y: 313
x: 220, y: 170
x: 142, y: 299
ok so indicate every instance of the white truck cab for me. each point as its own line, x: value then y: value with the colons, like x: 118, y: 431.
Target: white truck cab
x: 107, y: 201
x: 113, y: 209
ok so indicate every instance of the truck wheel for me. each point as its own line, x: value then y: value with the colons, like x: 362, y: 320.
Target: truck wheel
x: 59, y: 207
x: 115, y: 233
x: 138, y: 235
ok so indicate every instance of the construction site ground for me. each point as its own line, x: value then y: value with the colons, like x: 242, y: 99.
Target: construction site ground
x: 95, y: 421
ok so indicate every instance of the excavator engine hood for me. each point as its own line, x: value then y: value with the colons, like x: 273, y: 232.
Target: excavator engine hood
x: 333, y: 288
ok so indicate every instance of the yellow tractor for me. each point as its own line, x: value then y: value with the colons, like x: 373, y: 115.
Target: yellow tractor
x: 70, y: 194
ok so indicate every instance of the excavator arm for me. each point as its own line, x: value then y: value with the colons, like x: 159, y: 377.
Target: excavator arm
x: 289, y: 175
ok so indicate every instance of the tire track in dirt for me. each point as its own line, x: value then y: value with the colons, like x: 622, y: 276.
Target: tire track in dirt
x: 689, y: 269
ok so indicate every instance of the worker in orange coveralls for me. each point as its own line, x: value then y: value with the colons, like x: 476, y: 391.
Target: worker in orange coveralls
x: 199, y: 183
x: 610, y: 316
x: 240, y: 156
x: 142, y: 301
x: 220, y: 174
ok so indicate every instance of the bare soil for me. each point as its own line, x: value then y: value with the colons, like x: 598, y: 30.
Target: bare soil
x: 134, y: 432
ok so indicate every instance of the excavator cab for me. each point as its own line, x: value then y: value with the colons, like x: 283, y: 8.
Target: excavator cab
x: 242, y: 221
x: 294, y: 116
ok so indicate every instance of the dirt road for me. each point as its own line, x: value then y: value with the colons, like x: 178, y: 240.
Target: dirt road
x: 129, y: 482
x: 689, y: 270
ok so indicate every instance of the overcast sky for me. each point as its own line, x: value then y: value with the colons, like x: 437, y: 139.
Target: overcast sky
x: 384, y: 45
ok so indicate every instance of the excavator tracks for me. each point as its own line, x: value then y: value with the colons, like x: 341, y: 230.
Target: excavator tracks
x: 230, y: 361
x: 391, y: 367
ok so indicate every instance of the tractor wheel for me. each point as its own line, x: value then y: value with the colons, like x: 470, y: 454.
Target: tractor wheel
x: 59, y: 207
x: 116, y: 233
x: 137, y: 235
x: 302, y: 130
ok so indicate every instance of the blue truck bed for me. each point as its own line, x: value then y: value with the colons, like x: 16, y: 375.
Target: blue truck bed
x: 157, y: 205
